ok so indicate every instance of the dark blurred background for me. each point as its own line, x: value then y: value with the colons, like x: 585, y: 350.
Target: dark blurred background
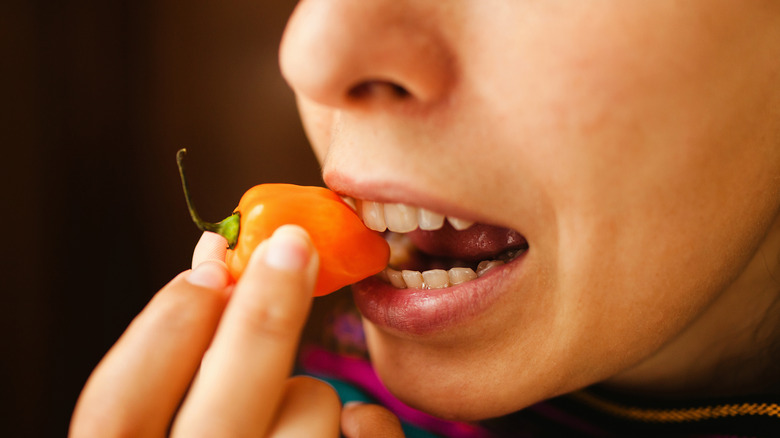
x: 97, y: 96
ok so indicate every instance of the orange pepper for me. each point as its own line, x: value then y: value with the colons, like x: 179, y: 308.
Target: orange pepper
x: 348, y: 251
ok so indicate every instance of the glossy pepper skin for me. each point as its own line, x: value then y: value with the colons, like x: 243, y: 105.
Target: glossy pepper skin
x: 348, y: 251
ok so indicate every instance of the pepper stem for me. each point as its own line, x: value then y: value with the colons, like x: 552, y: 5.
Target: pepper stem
x: 227, y: 228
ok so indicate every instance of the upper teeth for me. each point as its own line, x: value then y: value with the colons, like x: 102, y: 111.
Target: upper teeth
x: 402, y: 218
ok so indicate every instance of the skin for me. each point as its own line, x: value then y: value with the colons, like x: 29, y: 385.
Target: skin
x: 635, y: 144
x: 636, y: 147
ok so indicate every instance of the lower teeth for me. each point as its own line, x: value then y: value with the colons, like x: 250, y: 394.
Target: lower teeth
x: 440, y: 278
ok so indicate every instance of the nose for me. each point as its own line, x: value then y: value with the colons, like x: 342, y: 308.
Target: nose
x: 347, y: 53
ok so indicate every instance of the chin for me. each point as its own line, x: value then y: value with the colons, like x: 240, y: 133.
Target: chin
x: 452, y: 383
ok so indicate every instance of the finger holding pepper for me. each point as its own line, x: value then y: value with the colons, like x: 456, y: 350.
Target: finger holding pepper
x: 348, y: 251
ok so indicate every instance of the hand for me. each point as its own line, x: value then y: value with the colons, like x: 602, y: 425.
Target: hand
x: 240, y: 340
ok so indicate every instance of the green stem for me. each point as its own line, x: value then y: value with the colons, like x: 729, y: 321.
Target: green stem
x: 228, y: 228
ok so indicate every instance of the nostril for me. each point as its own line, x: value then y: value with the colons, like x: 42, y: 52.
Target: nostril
x: 377, y: 89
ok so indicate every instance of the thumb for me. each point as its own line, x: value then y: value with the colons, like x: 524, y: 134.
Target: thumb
x: 359, y: 420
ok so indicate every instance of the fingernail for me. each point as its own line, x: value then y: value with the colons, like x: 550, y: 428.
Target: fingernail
x: 288, y: 249
x: 210, y: 275
x: 353, y: 403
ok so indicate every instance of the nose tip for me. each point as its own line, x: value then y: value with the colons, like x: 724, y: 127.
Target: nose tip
x: 342, y: 53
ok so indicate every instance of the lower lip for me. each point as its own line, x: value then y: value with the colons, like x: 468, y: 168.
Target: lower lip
x: 426, y: 311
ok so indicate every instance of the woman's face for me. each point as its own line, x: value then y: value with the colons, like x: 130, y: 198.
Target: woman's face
x: 634, y: 145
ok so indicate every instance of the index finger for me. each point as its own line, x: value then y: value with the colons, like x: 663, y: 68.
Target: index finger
x: 242, y: 379
x: 211, y: 246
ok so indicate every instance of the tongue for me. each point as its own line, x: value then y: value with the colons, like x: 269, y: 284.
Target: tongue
x: 478, y: 242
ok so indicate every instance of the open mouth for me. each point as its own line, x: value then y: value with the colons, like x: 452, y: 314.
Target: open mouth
x: 433, y: 251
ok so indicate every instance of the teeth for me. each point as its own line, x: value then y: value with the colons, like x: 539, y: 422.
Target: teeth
x: 401, y: 249
x: 429, y: 220
x: 395, y: 278
x: 402, y: 218
x: 461, y: 275
x: 435, y: 278
x: 459, y: 224
x: 413, y: 279
x: 487, y: 265
x: 373, y: 214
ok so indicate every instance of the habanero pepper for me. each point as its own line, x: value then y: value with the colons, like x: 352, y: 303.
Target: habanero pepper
x: 348, y: 251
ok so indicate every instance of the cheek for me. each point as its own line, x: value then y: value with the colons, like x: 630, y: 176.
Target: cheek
x: 640, y: 153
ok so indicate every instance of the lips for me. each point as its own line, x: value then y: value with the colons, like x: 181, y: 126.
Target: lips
x: 442, y: 269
